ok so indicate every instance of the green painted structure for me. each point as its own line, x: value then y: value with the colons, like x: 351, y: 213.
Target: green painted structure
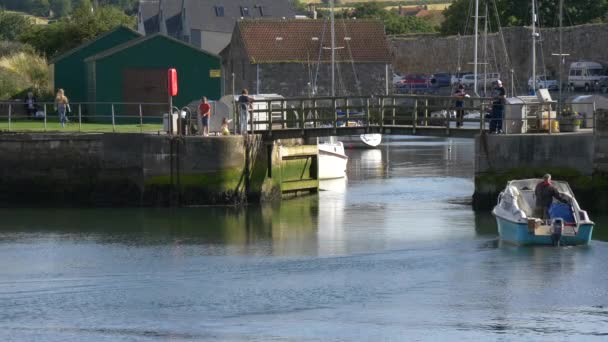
x: 135, y: 72
x: 69, y: 69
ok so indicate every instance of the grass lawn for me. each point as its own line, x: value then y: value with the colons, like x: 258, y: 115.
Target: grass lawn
x: 54, y: 126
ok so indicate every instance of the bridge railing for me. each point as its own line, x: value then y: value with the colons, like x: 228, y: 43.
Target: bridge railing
x: 410, y: 111
x: 359, y: 111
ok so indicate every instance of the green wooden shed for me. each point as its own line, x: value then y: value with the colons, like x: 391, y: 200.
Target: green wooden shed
x: 69, y: 69
x: 136, y: 72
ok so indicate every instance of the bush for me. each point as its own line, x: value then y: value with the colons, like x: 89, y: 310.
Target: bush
x: 22, y: 71
x: 8, y: 48
x: 10, y: 84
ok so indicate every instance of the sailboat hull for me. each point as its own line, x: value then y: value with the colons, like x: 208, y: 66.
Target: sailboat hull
x: 362, y: 141
x: 332, y: 161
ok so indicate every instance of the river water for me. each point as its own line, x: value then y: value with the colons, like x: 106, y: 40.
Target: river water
x: 392, y: 253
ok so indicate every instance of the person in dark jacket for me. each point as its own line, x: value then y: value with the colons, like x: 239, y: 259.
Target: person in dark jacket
x: 545, y: 192
x: 30, y: 105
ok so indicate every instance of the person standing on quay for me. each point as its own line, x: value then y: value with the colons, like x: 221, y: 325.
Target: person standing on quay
x: 459, y: 94
x: 245, y: 107
x: 498, y: 107
x: 62, y: 106
x: 205, y: 114
x: 30, y: 104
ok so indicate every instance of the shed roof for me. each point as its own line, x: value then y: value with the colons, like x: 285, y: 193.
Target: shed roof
x: 91, y: 42
x: 141, y: 40
x: 303, y: 40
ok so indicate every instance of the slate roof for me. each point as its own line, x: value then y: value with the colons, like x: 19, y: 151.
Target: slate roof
x: 202, y: 14
x: 307, y: 40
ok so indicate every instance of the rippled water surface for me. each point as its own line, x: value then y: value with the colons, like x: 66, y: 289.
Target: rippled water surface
x: 392, y: 253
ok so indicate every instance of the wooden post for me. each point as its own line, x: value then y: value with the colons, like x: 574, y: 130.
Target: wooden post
x: 381, y: 112
x: 79, y: 117
x: 10, y: 109
x: 141, y: 119
x: 394, y: 104
x: 426, y: 112
x: 415, y: 123
x: 368, y: 113
x: 269, y: 118
x: 316, y: 114
x: 447, y: 121
x: 302, y: 117
x: 113, y: 121
x: 45, y: 117
x: 347, y: 111
x: 481, y: 116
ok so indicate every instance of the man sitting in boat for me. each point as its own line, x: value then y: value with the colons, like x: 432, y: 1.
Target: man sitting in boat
x: 545, y: 192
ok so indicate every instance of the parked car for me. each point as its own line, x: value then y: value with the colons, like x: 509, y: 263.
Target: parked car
x: 489, y: 78
x: 585, y: 75
x: 441, y: 79
x: 415, y: 79
x: 457, y: 77
x: 543, y: 82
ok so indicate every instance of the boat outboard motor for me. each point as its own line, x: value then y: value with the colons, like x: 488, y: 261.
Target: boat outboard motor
x: 556, y: 231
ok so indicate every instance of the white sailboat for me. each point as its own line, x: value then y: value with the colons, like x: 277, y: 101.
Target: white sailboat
x: 332, y: 159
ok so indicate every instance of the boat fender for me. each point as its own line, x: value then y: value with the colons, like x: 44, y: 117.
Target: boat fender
x: 556, y: 231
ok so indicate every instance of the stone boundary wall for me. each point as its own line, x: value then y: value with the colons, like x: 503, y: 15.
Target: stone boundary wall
x: 430, y: 53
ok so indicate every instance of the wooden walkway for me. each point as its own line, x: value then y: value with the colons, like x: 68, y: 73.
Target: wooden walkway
x: 283, y: 118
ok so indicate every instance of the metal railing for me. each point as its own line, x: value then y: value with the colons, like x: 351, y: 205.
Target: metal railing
x: 432, y: 113
x: 87, y: 117
x: 382, y: 113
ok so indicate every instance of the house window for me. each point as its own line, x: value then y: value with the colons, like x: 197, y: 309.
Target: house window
x: 219, y: 11
x: 245, y: 11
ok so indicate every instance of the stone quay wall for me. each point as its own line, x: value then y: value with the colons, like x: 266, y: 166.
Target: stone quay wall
x: 580, y: 159
x: 134, y: 170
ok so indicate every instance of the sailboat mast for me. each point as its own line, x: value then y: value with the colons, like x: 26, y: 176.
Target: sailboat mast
x: 485, y: 50
x: 333, y: 49
x: 561, y: 56
x: 533, y: 46
x: 475, y: 52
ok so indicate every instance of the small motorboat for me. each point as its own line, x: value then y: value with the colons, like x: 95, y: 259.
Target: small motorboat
x: 519, y: 223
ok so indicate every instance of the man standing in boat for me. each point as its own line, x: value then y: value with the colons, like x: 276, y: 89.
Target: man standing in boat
x: 545, y: 192
x: 498, y: 107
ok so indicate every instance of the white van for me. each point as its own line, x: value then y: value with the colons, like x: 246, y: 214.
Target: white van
x: 585, y: 75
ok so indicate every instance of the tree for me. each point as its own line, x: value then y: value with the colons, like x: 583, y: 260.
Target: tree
x: 83, y: 25
x: 61, y: 8
x: 518, y: 13
x: 13, y: 24
x: 394, y: 23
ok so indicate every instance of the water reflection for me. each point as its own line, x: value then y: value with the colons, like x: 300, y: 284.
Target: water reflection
x: 351, y: 263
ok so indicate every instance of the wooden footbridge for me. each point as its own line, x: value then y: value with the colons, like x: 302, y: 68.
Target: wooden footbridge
x: 283, y: 118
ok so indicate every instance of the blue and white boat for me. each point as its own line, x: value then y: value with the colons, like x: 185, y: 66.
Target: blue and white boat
x: 519, y: 223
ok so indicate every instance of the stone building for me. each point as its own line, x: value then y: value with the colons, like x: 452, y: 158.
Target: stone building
x: 293, y: 57
x: 205, y: 24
